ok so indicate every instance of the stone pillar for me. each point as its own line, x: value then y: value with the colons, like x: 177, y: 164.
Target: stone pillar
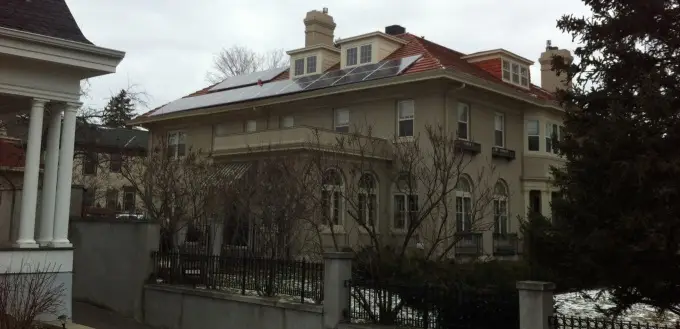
x: 29, y: 194
x: 535, y: 304
x: 49, y: 188
x: 337, y: 271
x: 63, y: 199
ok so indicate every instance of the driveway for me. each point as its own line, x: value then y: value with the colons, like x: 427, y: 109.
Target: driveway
x: 99, y: 318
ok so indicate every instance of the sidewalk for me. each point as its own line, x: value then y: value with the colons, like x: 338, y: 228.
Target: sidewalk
x: 99, y: 318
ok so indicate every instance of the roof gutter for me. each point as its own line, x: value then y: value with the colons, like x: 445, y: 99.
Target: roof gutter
x: 398, y: 80
x: 61, y: 43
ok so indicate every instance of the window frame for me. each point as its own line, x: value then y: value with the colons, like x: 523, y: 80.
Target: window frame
x: 412, y: 118
x: 90, y: 194
x: 460, y: 197
x: 358, y: 53
x: 508, y: 73
x: 127, y: 190
x: 247, y: 128
x: 498, y: 115
x: 307, y: 64
x: 114, y: 192
x: 297, y: 61
x: 175, y: 154
x: 356, y: 56
x: 537, y: 135
x: 285, y: 118
x: 369, y: 192
x: 344, y: 127
x: 334, y: 191
x: 118, y: 167
x: 362, y: 51
x: 463, y: 106
x: 90, y: 160
x: 498, y: 200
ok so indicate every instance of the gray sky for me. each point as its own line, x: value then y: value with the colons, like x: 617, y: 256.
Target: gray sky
x: 170, y: 44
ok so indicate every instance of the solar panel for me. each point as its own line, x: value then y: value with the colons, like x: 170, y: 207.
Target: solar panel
x: 311, y: 82
x: 246, y: 79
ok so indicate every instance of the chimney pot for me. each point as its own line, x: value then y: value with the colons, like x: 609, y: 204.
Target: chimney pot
x: 319, y: 28
x: 395, y: 30
x: 325, y: 10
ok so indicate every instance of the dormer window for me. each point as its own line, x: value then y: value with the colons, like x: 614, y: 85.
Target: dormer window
x: 305, y: 65
x: 359, y: 55
x: 515, y: 73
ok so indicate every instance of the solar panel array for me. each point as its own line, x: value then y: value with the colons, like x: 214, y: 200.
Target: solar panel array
x: 345, y: 76
x: 248, y: 79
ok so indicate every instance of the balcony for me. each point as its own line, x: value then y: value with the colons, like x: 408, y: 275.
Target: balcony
x: 469, y: 244
x: 468, y: 146
x: 302, y: 138
x: 503, y: 153
x: 505, y: 244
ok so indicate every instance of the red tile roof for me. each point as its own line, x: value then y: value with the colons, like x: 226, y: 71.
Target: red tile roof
x: 434, y: 56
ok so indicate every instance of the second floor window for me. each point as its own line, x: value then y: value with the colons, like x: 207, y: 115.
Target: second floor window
x: 342, y: 120
x: 250, y: 126
x: 515, y: 73
x: 552, y: 136
x: 299, y: 66
x: 115, y: 162
x: 463, y: 121
x: 405, y: 116
x: 90, y: 161
x: 287, y: 122
x: 311, y: 64
x: 499, y: 130
x: 112, y: 199
x: 366, y: 54
x: 533, y: 137
x: 177, y: 144
x: 352, y: 57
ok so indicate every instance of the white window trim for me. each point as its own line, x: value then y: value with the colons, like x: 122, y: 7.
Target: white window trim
x: 247, y: 128
x: 467, y: 123
x: 304, y: 66
x: 368, y: 192
x: 526, y: 136
x: 519, y: 73
x: 463, y: 194
x: 336, y: 124
x: 316, y: 64
x: 407, y: 219
x: 499, y: 198
x: 167, y: 136
x: 341, y: 204
x: 358, y: 48
x: 360, y: 52
x: 413, y: 119
x: 502, y: 116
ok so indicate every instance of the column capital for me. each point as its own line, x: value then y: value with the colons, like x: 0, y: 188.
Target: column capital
x: 72, y: 106
x: 40, y: 101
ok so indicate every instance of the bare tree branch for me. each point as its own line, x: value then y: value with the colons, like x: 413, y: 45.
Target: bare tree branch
x: 239, y: 60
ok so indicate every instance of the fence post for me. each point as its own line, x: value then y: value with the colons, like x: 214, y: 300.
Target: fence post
x: 535, y: 304
x: 337, y: 270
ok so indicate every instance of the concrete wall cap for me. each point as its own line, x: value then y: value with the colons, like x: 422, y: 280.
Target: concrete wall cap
x: 535, y: 285
x: 338, y: 255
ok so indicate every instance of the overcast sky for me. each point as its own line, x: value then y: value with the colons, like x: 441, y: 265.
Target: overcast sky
x: 170, y: 44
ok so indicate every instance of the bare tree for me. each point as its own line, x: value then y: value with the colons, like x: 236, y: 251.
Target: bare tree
x: 239, y: 60
x: 26, y: 296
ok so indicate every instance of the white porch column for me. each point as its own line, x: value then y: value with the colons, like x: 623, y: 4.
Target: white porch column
x: 64, y: 176
x: 49, y: 188
x: 29, y: 193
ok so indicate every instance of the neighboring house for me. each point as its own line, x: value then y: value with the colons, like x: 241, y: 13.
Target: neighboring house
x: 100, y: 152
x: 43, y: 58
x: 397, y: 83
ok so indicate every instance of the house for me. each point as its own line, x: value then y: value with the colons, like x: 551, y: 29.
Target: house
x: 43, y: 58
x: 397, y: 83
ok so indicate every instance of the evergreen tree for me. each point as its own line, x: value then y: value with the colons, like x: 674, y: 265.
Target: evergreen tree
x: 617, y: 225
x: 119, y: 110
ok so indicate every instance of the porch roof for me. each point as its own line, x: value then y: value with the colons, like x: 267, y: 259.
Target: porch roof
x: 50, y: 18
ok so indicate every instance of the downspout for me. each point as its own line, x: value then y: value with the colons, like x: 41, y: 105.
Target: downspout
x: 446, y: 106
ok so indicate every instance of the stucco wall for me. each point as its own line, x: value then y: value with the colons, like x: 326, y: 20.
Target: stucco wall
x: 112, y: 261
x: 174, y: 307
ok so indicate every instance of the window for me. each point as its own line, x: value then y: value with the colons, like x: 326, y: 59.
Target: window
x: 500, y: 208
x: 463, y: 205
x: 89, y: 197
x: 552, y: 136
x: 515, y: 73
x: 342, y: 120
x: 499, y: 130
x: 90, y: 161
x: 533, y: 135
x: 222, y: 129
x: 368, y: 200
x: 406, y: 112
x: 311, y: 64
x: 250, y: 126
x: 535, y: 201
x: 112, y: 199
x: 129, y: 199
x: 176, y: 144
x: 463, y: 121
x: 331, y: 196
x: 299, y: 66
x: 115, y: 162
x: 351, y: 57
x: 405, y: 203
x: 287, y: 122
x: 366, y: 54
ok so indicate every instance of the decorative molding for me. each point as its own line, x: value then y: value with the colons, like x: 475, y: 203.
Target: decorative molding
x: 37, y: 93
x: 45, y: 259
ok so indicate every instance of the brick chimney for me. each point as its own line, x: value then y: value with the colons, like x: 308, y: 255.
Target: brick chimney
x: 319, y: 27
x: 549, y: 79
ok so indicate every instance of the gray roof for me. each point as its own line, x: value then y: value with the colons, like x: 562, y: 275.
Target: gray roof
x: 51, y: 18
x: 100, y: 136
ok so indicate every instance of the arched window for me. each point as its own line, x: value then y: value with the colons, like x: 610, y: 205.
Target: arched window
x: 500, y: 208
x: 405, y: 203
x: 368, y: 200
x: 463, y: 205
x: 331, y: 196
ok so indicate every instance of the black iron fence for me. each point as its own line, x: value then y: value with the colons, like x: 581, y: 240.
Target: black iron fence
x: 431, y: 307
x: 569, y: 322
x: 300, y: 280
